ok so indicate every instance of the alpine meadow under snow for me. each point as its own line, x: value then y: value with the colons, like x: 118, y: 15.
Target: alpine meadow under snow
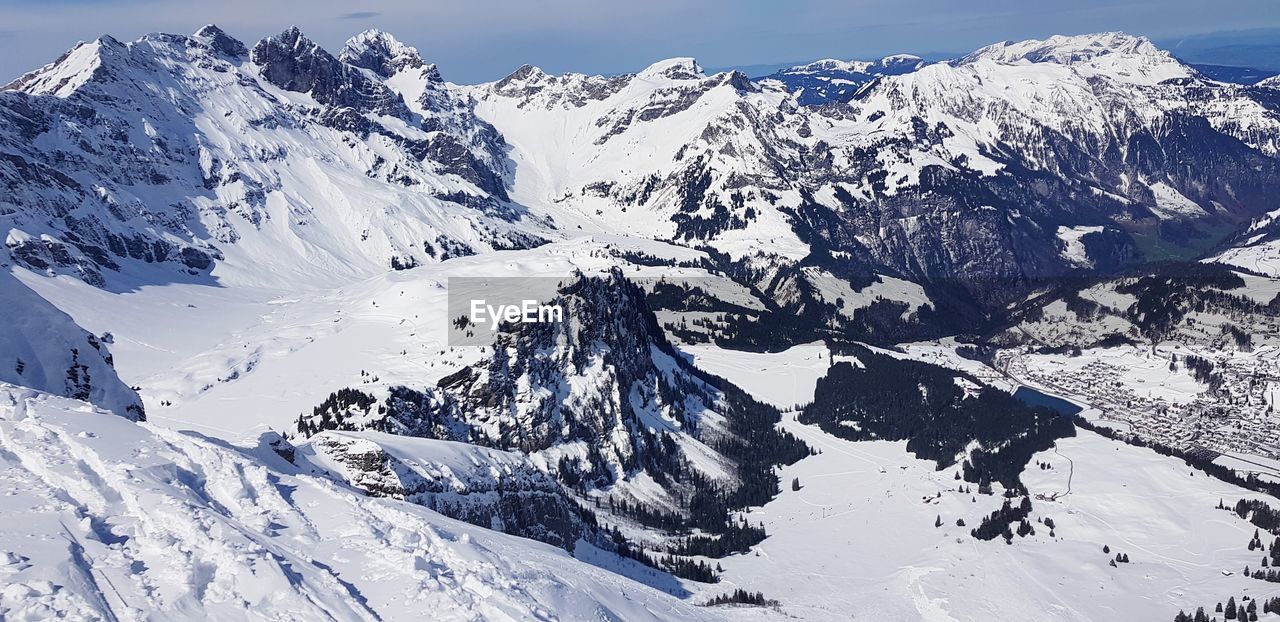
x: 990, y: 338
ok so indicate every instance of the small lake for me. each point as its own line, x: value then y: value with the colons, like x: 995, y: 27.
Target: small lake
x: 1036, y: 398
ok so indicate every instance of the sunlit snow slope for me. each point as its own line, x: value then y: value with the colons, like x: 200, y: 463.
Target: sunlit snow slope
x: 105, y: 519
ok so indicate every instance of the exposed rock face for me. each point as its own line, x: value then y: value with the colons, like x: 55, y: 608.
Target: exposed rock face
x: 294, y: 63
x: 492, y: 489
x: 221, y: 42
x: 382, y: 54
x: 959, y: 175
x: 832, y: 81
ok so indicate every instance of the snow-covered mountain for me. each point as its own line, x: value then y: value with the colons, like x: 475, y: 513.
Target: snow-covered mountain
x: 263, y: 240
x: 1207, y: 305
x: 999, y: 149
x: 180, y: 157
x: 605, y: 404
x: 1257, y: 247
x: 831, y: 80
x: 203, y: 157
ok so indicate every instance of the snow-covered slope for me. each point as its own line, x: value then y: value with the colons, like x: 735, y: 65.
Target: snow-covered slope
x: 173, y: 158
x: 261, y: 227
x: 1257, y: 248
x: 860, y: 536
x: 105, y: 519
x: 1108, y: 55
x: 601, y: 402
x: 43, y: 348
x: 504, y: 491
x: 859, y: 539
x: 1205, y: 304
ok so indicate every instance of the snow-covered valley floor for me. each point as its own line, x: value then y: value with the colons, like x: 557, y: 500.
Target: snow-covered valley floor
x: 858, y: 539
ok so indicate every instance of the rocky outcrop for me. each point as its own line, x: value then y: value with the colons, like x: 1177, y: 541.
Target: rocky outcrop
x: 293, y: 62
x: 492, y: 489
x: 602, y: 398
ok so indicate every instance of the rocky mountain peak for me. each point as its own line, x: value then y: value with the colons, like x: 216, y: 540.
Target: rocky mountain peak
x: 829, y: 64
x: 604, y: 379
x: 523, y: 77
x: 219, y: 41
x: 896, y: 64
x: 71, y: 70
x: 683, y: 68
x: 383, y: 54
x: 293, y: 62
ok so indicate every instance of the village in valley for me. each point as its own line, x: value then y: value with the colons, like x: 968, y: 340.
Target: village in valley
x: 1217, y: 401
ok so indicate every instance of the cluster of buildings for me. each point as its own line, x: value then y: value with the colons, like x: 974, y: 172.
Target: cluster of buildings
x: 1238, y: 411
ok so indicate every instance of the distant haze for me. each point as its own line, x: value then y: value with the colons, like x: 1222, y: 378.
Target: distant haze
x: 1257, y: 47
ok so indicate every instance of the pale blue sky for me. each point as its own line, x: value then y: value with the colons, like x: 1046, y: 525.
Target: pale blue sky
x: 476, y: 40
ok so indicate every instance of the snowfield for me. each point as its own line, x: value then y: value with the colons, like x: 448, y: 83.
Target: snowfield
x: 105, y: 519
x: 785, y: 379
x: 858, y: 539
x: 1073, y: 244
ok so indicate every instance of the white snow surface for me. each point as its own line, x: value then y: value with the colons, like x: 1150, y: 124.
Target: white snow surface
x: 1111, y: 55
x: 1072, y: 239
x: 785, y: 379
x: 201, y: 353
x: 1263, y: 258
x: 1256, y: 253
x: 40, y: 345
x: 105, y: 519
x: 858, y: 539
